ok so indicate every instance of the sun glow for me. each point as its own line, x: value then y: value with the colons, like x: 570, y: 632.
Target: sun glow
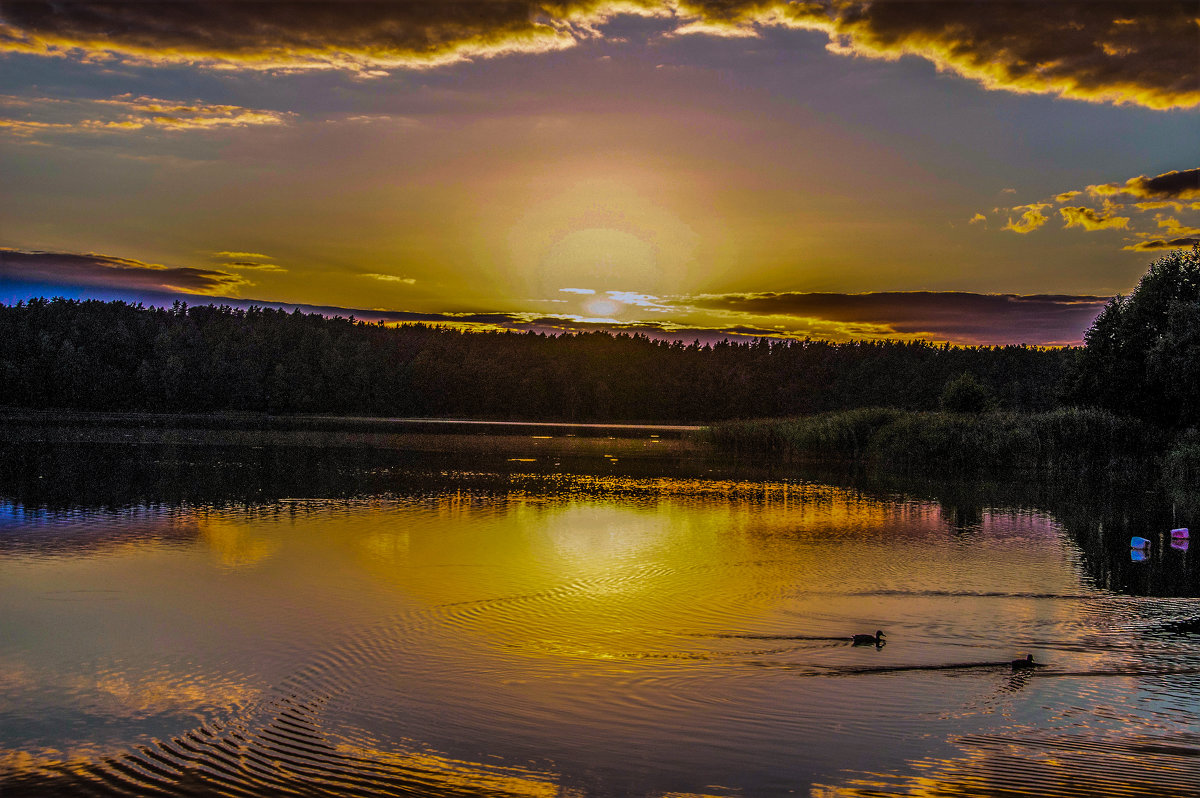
x: 602, y: 258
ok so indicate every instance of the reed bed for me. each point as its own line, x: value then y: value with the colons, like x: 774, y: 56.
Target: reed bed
x: 1083, y: 441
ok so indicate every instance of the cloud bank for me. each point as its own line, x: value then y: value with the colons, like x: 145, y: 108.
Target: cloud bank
x: 1142, y: 53
x: 65, y: 268
x: 955, y: 316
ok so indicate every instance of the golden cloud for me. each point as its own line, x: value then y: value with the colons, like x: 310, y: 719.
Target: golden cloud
x: 1031, y: 218
x: 127, y: 113
x: 1174, y: 191
x: 390, y: 278
x: 1090, y: 219
x: 1174, y: 227
x: 242, y: 255
x: 1113, y: 52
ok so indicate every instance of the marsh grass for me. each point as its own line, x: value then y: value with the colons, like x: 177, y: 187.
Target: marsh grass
x: 1182, y: 463
x: 1087, y: 442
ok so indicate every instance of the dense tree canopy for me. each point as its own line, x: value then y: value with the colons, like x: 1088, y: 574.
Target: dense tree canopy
x: 116, y: 356
x: 1142, y: 354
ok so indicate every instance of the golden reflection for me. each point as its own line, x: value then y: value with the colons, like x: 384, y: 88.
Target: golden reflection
x: 136, y: 695
x: 48, y: 761
x: 613, y: 568
x: 236, y: 544
x: 464, y: 778
x: 1009, y: 766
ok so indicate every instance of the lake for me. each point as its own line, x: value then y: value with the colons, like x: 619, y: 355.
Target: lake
x: 195, y: 620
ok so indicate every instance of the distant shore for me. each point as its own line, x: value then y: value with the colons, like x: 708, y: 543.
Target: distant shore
x: 59, y: 427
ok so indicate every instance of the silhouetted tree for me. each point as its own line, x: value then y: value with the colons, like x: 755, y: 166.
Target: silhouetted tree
x: 1141, y: 356
x: 965, y: 394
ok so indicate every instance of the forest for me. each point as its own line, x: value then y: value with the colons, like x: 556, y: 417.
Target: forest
x: 1141, y: 358
x: 91, y: 355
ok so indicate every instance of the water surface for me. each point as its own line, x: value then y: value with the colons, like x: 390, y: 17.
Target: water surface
x: 503, y: 628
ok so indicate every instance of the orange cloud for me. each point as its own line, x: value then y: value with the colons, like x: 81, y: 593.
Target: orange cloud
x: 1114, y: 52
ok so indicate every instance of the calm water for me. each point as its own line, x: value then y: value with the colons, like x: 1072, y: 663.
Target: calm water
x: 419, y: 628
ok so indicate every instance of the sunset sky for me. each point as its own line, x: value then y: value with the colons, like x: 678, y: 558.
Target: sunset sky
x: 974, y: 172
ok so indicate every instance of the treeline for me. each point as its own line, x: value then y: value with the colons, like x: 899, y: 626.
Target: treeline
x: 91, y: 355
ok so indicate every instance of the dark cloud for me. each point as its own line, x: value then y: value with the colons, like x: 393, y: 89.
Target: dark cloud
x: 951, y: 315
x: 1123, y: 52
x: 104, y: 270
x: 346, y: 34
x: 1163, y: 243
x: 1182, y: 185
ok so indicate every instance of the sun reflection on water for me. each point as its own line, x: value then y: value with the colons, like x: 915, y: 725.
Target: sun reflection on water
x: 523, y: 635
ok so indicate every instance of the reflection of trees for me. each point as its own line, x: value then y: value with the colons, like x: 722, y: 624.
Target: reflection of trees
x: 1099, y: 517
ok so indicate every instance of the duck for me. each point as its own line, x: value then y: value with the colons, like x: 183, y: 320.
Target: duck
x: 1021, y: 664
x: 869, y: 640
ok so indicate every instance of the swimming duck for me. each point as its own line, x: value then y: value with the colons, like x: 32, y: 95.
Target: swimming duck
x: 869, y: 640
x: 1021, y: 664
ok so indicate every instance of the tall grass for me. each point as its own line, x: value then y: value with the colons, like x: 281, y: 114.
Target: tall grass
x: 1182, y: 464
x: 1087, y: 442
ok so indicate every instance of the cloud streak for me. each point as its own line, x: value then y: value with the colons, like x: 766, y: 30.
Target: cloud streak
x: 955, y: 316
x: 111, y: 272
x: 1178, y: 185
x: 125, y: 113
x: 1132, y: 52
x: 1155, y: 244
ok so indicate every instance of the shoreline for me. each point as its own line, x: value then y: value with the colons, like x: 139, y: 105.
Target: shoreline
x: 543, y: 439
